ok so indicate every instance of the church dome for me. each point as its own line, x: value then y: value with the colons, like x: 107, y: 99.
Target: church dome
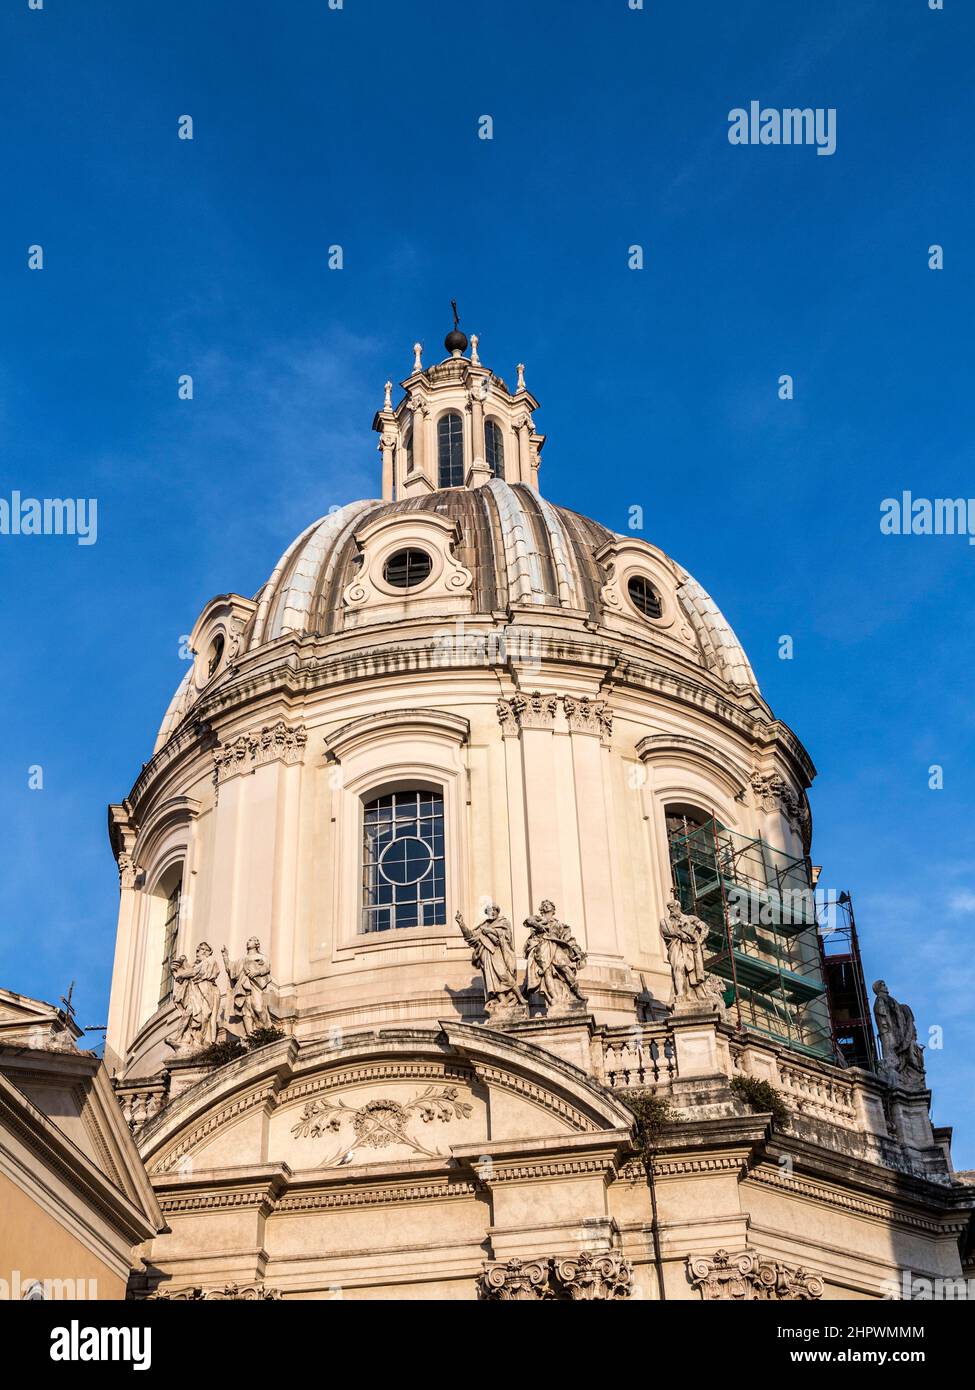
x: 544, y: 695
x: 465, y: 829
x: 521, y: 551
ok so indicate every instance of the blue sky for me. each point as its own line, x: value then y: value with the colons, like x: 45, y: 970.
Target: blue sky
x: 658, y: 387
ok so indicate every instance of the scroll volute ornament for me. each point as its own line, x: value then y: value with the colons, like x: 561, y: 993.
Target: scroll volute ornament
x: 749, y: 1277
x: 623, y: 559
x: 515, y: 1281
x: 448, y: 588
x: 587, y: 1278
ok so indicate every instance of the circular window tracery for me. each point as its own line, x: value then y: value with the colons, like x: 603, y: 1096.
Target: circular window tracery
x: 408, y: 568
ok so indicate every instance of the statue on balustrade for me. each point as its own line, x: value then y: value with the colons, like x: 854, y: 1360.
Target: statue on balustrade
x: 903, y: 1054
x: 250, y: 980
x: 196, y: 998
x: 493, y: 953
x: 684, y: 937
x: 554, y: 961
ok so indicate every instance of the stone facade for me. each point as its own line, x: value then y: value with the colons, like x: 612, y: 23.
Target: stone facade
x: 424, y: 1094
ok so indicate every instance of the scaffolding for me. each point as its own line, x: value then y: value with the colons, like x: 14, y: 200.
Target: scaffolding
x: 846, y: 987
x: 760, y: 907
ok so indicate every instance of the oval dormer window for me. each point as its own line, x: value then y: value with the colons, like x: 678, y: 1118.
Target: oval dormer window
x: 644, y: 596
x: 407, y: 569
x: 215, y: 656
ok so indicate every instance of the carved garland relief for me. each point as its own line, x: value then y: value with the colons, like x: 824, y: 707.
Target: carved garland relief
x: 379, y: 1123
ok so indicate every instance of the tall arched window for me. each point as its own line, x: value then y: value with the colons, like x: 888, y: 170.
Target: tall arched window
x: 450, y: 450
x: 171, y: 889
x: 403, y: 861
x: 409, y: 452
x: 494, y: 448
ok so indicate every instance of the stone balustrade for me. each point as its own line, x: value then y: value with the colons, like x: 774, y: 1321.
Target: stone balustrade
x: 140, y: 1101
x: 813, y: 1092
x: 637, y: 1058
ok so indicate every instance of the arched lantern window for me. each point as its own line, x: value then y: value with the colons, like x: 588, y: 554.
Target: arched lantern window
x: 450, y: 450
x: 494, y: 448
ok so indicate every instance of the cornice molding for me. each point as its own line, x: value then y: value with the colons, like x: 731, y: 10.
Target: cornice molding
x: 390, y: 723
x: 292, y: 667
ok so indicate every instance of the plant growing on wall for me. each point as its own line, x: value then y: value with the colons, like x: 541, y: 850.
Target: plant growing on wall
x: 761, y: 1096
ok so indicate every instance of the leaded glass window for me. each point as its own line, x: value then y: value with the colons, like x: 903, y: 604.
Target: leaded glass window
x: 403, y: 861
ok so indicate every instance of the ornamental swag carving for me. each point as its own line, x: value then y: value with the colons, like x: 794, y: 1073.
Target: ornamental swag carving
x: 250, y: 1293
x: 380, y: 1123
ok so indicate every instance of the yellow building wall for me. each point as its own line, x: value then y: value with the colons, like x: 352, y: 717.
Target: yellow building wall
x: 33, y: 1245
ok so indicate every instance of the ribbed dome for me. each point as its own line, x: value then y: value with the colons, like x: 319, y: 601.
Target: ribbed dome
x: 520, y: 549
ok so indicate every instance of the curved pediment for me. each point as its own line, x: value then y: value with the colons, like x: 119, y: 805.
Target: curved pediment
x: 401, y: 1097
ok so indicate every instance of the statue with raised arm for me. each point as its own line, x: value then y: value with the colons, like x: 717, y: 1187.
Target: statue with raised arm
x: 250, y: 979
x: 684, y: 937
x: 903, y: 1054
x: 554, y: 961
x: 493, y: 953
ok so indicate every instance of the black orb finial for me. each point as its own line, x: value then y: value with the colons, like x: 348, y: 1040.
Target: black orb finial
x: 455, y: 341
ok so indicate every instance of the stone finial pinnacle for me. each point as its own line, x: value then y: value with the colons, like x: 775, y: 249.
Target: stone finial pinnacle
x: 521, y: 377
x: 388, y: 400
x: 475, y: 360
x: 417, y: 352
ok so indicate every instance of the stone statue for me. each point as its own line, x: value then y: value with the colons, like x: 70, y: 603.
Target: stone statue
x: 178, y: 1038
x: 494, y: 955
x: 684, y: 937
x: 554, y: 959
x: 903, y: 1054
x: 196, y: 997
x: 250, y: 979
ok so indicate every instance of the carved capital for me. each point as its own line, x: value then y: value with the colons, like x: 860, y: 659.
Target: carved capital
x: 591, y: 1277
x: 588, y: 716
x: 515, y: 1281
x: 749, y: 1277
x: 250, y: 1293
x: 584, y: 715
x: 272, y: 743
x: 127, y: 871
x: 772, y: 793
x: 587, y: 1277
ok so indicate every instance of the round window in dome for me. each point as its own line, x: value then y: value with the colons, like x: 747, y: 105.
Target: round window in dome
x: 644, y: 596
x: 215, y: 655
x: 407, y: 568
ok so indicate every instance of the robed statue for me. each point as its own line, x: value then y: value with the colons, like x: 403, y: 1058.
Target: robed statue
x: 250, y: 979
x: 684, y: 937
x: 903, y: 1053
x: 196, y: 998
x: 493, y: 953
x: 554, y: 961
